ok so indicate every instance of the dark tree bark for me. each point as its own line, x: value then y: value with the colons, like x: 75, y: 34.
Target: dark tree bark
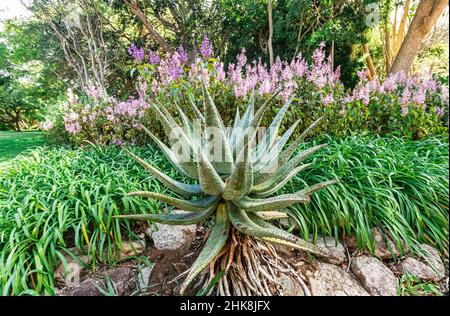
x: 425, y: 18
x: 132, y: 4
x: 269, y: 41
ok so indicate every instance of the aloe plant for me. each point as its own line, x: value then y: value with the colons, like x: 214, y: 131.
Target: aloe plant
x: 239, y: 187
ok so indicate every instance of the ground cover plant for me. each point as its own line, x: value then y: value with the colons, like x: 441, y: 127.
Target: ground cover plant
x: 37, y: 184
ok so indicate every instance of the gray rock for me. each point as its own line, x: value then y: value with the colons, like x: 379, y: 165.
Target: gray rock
x: 376, y: 278
x: 70, y: 275
x: 331, y: 280
x: 289, y: 286
x: 434, y: 261
x: 336, y: 249
x: 172, y: 237
x: 287, y: 223
x: 130, y: 249
x: 385, y: 248
x: 121, y: 279
x: 418, y: 269
x: 143, y: 277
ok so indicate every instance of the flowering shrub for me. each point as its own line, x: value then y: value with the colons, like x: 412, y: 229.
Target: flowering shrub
x: 100, y: 119
x: 414, y: 107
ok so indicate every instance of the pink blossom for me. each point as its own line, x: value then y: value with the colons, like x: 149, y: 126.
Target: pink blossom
x: 206, y: 49
x: 136, y: 53
x: 327, y: 100
x: 94, y: 92
x: 47, y: 125
x: 154, y: 58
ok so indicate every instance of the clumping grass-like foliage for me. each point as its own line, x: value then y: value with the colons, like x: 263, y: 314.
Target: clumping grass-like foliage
x: 237, y: 188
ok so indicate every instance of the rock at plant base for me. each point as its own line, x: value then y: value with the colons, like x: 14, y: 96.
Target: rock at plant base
x: 433, y: 260
x: 418, y: 269
x: 385, y: 248
x: 122, y: 279
x: 331, y: 280
x: 143, y: 277
x: 336, y: 249
x: 130, y: 249
x: 376, y: 278
x: 71, y: 273
x: 289, y: 285
x: 172, y: 237
x: 289, y: 222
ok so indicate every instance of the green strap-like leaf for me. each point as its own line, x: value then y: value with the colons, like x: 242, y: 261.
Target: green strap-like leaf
x: 271, y: 204
x: 174, y: 185
x: 214, y: 244
x: 186, y: 205
x: 174, y: 219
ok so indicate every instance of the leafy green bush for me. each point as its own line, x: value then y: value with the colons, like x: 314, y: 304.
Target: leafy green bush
x: 399, y: 186
x: 54, y: 199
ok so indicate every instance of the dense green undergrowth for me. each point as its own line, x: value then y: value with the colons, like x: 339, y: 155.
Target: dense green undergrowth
x: 52, y: 199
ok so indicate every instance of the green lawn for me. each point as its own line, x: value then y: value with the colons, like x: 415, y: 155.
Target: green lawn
x: 13, y: 143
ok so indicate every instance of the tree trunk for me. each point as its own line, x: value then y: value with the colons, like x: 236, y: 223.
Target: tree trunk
x: 387, y: 47
x: 369, y: 61
x: 401, y: 28
x: 425, y: 18
x: 269, y: 41
x: 132, y: 4
x: 17, y: 121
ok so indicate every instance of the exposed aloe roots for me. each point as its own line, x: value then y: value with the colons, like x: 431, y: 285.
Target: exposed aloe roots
x: 250, y: 266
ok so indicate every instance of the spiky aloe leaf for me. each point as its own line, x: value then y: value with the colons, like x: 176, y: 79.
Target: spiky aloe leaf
x: 174, y: 219
x: 172, y: 184
x: 242, y: 222
x: 249, y: 112
x: 268, y: 154
x: 293, y: 146
x: 274, y: 127
x: 260, y: 178
x: 271, y: 204
x: 209, y: 179
x: 277, y: 182
x: 216, y: 241
x: 187, y: 205
x: 213, y: 120
x: 241, y: 179
x: 188, y: 169
x: 318, y: 186
x: 194, y: 107
x: 167, y: 122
